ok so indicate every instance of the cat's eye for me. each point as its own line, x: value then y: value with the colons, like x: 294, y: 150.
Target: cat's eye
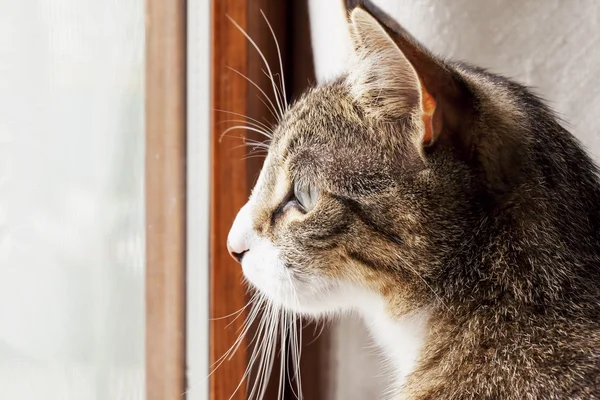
x: 306, y: 195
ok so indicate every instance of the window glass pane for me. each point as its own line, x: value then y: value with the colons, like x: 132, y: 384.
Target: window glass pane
x: 71, y: 199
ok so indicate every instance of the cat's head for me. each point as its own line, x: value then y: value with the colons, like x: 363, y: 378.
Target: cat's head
x: 374, y: 181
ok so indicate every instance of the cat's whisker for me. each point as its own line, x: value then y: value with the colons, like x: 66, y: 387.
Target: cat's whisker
x: 247, y: 142
x: 279, y: 93
x: 283, y: 335
x: 296, y: 348
x: 256, y: 142
x: 278, y: 101
x: 262, y: 151
x: 263, y: 326
x: 269, y: 319
x: 237, y: 313
x: 257, y: 151
x: 233, y: 128
x: 262, y: 124
x: 249, y: 123
x: 237, y: 316
x: 295, y: 342
x: 263, y: 329
x: 252, y: 359
x: 282, y: 346
x: 283, y: 370
x: 293, y: 373
x: 254, y: 156
x: 233, y: 349
x: 282, y: 78
x: 271, y: 107
x: 299, y: 355
x: 256, y: 148
x: 271, y: 351
x: 245, y: 328
x: 273, y: 114
x: 257, y: 333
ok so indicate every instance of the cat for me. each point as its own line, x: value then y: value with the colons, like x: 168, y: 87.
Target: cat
x: 449, y: 208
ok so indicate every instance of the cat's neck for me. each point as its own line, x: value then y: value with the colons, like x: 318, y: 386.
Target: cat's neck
x: 400, y: 338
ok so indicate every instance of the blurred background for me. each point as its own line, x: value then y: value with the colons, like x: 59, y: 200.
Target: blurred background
x: 116, y: 196
x: 71, y: 199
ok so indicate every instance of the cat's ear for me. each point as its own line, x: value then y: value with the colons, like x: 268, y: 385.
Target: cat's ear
x: 396, y: 75
x: 380, y: 74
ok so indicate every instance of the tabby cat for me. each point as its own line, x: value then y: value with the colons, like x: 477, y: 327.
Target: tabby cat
x: 445, y: 205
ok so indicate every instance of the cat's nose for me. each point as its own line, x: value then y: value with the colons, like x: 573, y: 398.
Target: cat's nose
x: 237, y: 241
x: 235, y: 252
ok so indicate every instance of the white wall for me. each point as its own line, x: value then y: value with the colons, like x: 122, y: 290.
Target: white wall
x: 551, y: 45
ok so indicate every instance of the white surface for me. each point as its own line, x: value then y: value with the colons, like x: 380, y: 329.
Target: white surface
x: 358, y: 372
x: 198, y: 198
x: 551, y: 45
x: 330, y: 40
x: 71, y: 200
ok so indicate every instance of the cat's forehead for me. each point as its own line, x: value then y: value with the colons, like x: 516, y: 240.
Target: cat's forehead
x: 326, y: 138
x: 321, y: 116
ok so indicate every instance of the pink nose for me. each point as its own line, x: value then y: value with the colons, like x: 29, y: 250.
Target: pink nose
x: 236, y: 252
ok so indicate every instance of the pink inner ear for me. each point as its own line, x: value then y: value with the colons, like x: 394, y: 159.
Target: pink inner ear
x: 428, y: 104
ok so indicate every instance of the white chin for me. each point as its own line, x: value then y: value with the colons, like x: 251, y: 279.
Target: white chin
x: 313, y: 296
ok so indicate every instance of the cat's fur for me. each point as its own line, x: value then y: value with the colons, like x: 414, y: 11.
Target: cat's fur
x: 454, y: 209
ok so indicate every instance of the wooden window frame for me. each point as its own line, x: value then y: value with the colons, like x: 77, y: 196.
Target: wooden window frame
x: 231, y: 177
x: 165, y: 183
